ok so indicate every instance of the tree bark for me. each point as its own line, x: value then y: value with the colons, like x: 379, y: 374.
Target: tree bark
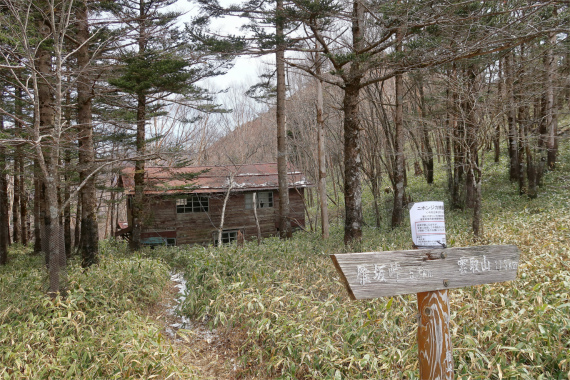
x: 471, y: 136
x: 46, y: 123
x: 49, y: 101
x: 257, y: 226
x: 449, y: 130
x: 352, y: 132
x: 53, y: 232
x: 284, y: 221
x: 89, y: 228
x: 77, y: 228
x: 522, y: 121
x: 67, y: 210
x: 4, y: 214
x: 457, y: 191
x: 38, y: 217
x: 223, y: 215
x: 427, y: 151
x: 501, y: 99
x: 511, y: 119
x: 397, y: 211
x: 18, y: 178
x: 16, y: 225
x: 352, y: 163
x: 23, y: 205
x: 138, y: 199
x: 551, y: 107
x: 321, y: 155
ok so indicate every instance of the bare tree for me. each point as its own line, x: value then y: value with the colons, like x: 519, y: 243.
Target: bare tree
x: 321, y: 152
x: 34, y: 26
x: 231, y: 185
x: 4, y: 215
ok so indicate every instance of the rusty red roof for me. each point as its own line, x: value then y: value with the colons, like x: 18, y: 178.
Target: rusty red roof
x: 211, y: 179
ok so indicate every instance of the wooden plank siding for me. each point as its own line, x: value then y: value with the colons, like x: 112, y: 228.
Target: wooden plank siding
x: 161, y: 217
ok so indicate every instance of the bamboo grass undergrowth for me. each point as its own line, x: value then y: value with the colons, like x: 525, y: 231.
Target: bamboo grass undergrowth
x: 300, y: 323
x: 99, y: 330
x: 292, y: 311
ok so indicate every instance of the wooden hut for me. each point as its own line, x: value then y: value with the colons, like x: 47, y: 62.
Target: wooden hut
x: 184, y: 205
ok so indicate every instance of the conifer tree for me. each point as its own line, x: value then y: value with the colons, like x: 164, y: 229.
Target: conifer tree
x: 156, y: 61
x: 269, y: 29
x: 89, y: 246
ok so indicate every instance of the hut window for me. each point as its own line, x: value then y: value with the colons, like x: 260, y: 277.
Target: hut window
x: 227, y: 236
x: 194, y: 203
x: 264, y: 199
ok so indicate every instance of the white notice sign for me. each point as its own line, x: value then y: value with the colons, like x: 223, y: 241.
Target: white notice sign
x: 428, y: 224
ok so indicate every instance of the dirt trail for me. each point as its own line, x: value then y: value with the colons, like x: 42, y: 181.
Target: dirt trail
x: 213, y: 354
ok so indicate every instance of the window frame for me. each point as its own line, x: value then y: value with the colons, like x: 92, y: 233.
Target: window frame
x: 249, y: 200
x: 230, y: 236
x: 194, y: 204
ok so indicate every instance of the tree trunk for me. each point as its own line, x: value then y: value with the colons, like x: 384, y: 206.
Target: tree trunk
x: 77, y: 228
x: 501, y: 99
x: 16, y: 212
x: 352, y: 160
x: 284, y: 222
x: 16, y: 225
x: 223, y: 215
x: 67, y: 210
x: 138, y: 199
x: 511, y: 119
x: 46, y: 124
x: 427, y: 151
x: 457, y: 191
x: 375, y: 187
x: 352, y: 176
x: 523, y: 126
x: 38, y: 218
x: 551, y: 107
x: 4, y: 214
x: 49, y: 106
x: 53, y: 235
x: 257, y: 226
x: 23, y: 205
x: 449, y: 130
x: 89, y: 228
x: 531, y: 173
x: 321, y: 155
x: 398, y: 210
x: 471, y: 137
x: 477, y: 220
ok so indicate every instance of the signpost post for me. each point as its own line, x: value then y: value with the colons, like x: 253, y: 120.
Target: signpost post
x: 428, y: 271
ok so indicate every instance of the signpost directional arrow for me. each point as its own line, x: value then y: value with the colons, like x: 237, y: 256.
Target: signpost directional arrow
x: 381, y: 274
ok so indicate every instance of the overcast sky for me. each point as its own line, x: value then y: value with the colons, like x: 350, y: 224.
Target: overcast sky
x: 246, y: 69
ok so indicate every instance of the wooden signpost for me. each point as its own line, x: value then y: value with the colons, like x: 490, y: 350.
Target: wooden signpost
x: 429, y: 272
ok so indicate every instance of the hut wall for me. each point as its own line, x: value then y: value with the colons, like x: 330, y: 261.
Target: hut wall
x: 161, y: 218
